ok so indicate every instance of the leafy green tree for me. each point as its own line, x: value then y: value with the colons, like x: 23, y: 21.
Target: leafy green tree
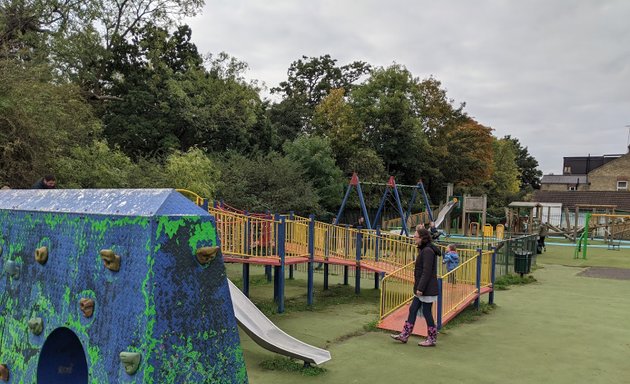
x: 168, y: 101
x: 469, y: 162
x: 335, y: 119
x: 192, y: 170
x: 530, y: 175
x: 78, y: 36
x: 314, y: 155
x: 309, y: 81
x: 505, y: 173
x: 266, y: 183
x: 95, y: 166
x: 387, y: 106
x: 39, y: 122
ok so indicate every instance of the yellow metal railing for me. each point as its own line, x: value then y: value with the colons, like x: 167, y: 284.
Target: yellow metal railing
x: 458, y: 285
x: 387, y: 249
x: 412, y: 221
x: 246, y: 236
x: 397, y: 290
x: 297, y: 238
x: 250, y: 236
x: 192, y: 196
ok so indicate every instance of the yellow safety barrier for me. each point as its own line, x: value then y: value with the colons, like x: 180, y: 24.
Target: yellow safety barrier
x: 500, y: 231
x: 246, y: 236
x: 412, y: 221
x: 297, y: 238
x: 397, y: 290
x: 192, y: 196
x: 458, y: 285
x: 387, y: 250
x: 249, y: 236
x: 488, y: 231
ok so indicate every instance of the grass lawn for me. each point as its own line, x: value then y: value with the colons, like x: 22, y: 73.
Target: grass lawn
x: 564, y: 328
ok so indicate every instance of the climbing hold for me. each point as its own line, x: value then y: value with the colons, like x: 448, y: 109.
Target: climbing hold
x: 36, y: 325
x: 207, y: 254
x: 110, y: 259
x: 87, y: 307
x: 41, y: 255
x: 4, y: 372
x: 12, y: 269
x: 131, y: 361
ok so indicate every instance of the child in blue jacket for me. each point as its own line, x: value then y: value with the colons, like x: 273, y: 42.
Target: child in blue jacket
x: 451, y: 259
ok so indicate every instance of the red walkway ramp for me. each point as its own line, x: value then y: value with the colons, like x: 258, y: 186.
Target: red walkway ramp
x: 396, y: 319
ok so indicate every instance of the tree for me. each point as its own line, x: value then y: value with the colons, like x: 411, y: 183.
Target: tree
x: 530, y: 175
x: 257, y: 185
x: 40, y: 121
x: 167, y: 100
x: 469, y: 161
x: 505, y: 175
x: 309, y: 81
x: 314, y: 155
x: 95, y: 166
x: 387, y: 107
x: 192, y: 170
x: 78, y: 36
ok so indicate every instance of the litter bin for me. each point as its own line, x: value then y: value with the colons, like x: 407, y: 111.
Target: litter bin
x: 522, y: 261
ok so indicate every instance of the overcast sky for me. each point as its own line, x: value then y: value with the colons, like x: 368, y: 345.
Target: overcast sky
x: 554, y: 74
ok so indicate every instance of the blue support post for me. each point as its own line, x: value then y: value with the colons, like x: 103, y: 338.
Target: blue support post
x: 440, y: 307
x: 493, y: 274
x: 343, y: 204
x: 311, y: 258
x: 246, y: 279
x: 291, y: 272
x: 363, y: 207
x: 345, y: 274
x: 281, y: 251
x: 426, y: 199
x: 357, y: 273
x: 326, y: 276
x: 380, y: 207
x: 411, y: 201
x: 478, y: 282
x: 400, y: 210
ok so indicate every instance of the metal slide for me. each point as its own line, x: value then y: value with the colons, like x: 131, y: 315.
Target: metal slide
x: 268, y: 335
x: 445, y: 211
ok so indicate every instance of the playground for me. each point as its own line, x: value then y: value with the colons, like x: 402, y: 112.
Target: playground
x: 564, y: 328
x: 337, y: 315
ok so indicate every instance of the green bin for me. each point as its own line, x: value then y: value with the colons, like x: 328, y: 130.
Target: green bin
x: 522, y: 261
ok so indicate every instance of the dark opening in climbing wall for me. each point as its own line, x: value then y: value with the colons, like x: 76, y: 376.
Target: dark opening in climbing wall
x: 62, y: 359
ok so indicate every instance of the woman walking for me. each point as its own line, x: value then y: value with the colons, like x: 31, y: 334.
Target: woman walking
x: 425, y: 290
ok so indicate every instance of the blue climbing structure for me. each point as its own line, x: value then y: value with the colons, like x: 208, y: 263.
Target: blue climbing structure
x: 113, y: 286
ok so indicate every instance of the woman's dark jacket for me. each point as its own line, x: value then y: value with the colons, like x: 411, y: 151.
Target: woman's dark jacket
x: 425, y: 271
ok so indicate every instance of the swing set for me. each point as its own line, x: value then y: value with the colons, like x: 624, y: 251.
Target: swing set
x: 391, y: 189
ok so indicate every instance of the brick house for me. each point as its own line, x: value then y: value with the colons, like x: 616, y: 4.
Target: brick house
x: 592, y: 173
x: 612, y: 176
x: 594, y: 184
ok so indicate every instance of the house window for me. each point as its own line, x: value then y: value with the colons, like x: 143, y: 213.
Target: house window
x: 567, y: 170
x: 572, y: 188
x: 622, y: 185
